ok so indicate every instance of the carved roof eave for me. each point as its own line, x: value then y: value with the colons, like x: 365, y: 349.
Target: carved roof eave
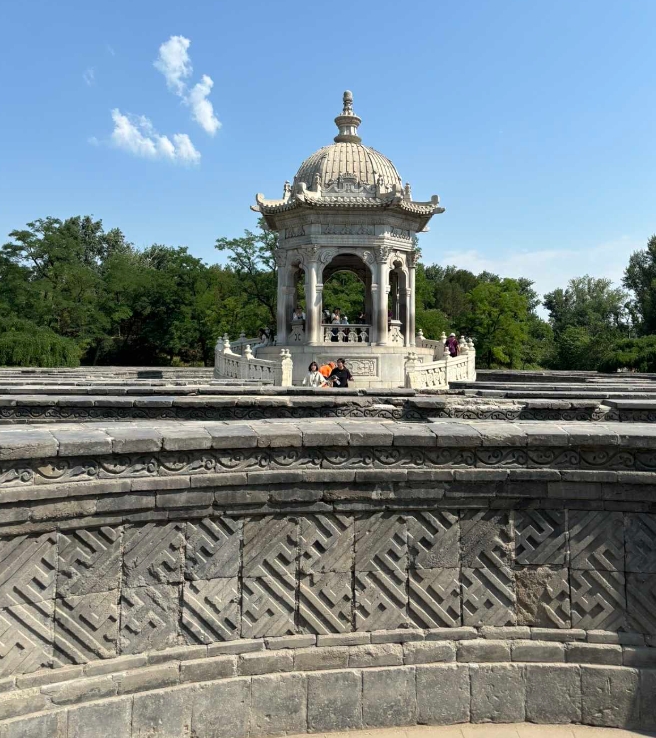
x: 307, y: 200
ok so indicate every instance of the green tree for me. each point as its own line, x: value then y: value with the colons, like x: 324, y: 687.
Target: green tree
x: 640, y: 278
x: 498, y: 321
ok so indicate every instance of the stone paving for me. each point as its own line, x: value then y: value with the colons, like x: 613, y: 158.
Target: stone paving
x: 513, y: 730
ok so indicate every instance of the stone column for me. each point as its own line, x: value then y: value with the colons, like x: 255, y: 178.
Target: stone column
x: 312, y: 303
x: 411, y: 327
x: 380, y: 298
x: 282, y: 308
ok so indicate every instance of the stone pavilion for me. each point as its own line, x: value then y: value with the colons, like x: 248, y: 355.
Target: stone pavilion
x: 347, y: 209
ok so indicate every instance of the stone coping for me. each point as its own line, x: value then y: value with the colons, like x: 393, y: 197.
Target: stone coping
x: 295, y: 686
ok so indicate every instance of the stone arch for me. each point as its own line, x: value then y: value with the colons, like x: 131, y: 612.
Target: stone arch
x: 334, y: 261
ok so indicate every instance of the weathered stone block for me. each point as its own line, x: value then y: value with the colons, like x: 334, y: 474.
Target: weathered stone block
x: 486, y: 539
x: 381, y: 600
x: 540, y: 537
x: 301, y: 640
x: 553, y: 693
x: 221, y: 709
x: 434, y: 539
x: 208, y: 669
x: 153, y: 554
x: 426, y: 652
x: 381, y: 654
x: 640, y: 543
x: 443, y: 694
x: 165, y: 713
x: 149, y: 618
x: 594, y: 653
x: 641, y: 602
x: 145, y: 680
x: 320, y: 658
x: 434, y: 599
x: 326, y: 543
x: 483, y: 650
x: 26, y: 634
x: 45, y: 725
x: 537, y: 651
x: 647, y: 702
x: 389, y: 697
x: 596, y: 540
x: 278, y: 704
x: 488, y: 596
x: 28, y: 566
x: 609, y: 696
x: 89, y: 561
x: 326, y: 602
x: 86, y: 627
x: 334, y: 701
x: 380, y: 542
x: 598, y: 600
x: 265, y: 662
x: 211, y: 610
x: 212, y: 549
x: 543, y: 597
x: 109, y: 718
x: 268, y: 606
x: 80, y: 690
x: 270, y: 546
x: 498, y: 693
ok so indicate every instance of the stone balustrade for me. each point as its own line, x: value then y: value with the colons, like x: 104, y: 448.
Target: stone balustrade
x: 346, y: 333
x: 228, y: 365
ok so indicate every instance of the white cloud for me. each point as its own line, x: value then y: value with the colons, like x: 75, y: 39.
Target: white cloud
x: 551, y: 268
x: 93, y: 141
x: 89, y: 75
x: 110, y: 49
x: 136, y: 135
x: 201, y: 108
x: 174, y: 63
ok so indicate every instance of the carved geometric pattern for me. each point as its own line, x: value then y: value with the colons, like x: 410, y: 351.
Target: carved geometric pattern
x: 381, y: 600
x: 598, y: 600
x: 596, y: 540
x: 326, y: 602
x: 381, y: 542
x: 211, y: 610
x: 89, y: 561
x: 213, y: 548
x: 488, y: 596
x: 26, y: 636
x: 326, y: 543
x: 543, y: 599
x: 641, y: 543
x: 540, y: 537
x: 154, y: 554
x: 486, y: 538
x: 434, y: 539
x: 86, y: 627
x: 28, y: 566
x: 641, y: 602
x: 268, y: 606
x: 270, y: 546
x: 149, y: 618
x: 434, y: 598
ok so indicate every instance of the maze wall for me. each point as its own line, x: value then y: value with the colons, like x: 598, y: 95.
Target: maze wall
x: 135, y: 560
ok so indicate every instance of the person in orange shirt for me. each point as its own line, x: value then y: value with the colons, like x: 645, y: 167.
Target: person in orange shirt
x: 326, y: 369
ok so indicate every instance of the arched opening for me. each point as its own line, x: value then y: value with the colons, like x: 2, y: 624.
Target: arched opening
x: 346, y: 300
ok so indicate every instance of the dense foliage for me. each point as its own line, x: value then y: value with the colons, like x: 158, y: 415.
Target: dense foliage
x: 72, y: 292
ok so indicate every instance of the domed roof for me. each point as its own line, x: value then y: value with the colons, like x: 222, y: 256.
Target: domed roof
x: 348, y: 157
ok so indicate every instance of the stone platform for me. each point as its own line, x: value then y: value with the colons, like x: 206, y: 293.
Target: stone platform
x: 509, y: 730
x: 170, y: 577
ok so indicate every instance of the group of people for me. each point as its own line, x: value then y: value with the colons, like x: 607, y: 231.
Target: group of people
x: 331, y: 374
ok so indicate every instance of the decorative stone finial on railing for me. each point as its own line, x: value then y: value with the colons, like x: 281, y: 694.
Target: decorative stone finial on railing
x: 226, y: 344
x: 242, y: 335
x: 248, y: 353
x: 470, y: 346
x: 462, y: 345
x: 420, y: 336
x: 443, y: 337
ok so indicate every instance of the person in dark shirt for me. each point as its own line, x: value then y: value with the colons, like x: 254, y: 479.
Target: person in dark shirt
x: 340, y: 375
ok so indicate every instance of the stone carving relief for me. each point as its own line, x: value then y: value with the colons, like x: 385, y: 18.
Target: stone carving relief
x: 347, y: 229
x: 406, y: 235
x: 327, y: 255
x: 295, y: 232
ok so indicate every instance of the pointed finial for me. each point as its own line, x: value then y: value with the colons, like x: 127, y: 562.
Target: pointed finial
x: 348, y: 121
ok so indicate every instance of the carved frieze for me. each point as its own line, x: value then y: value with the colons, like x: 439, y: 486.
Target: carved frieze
x: 295, y: 231
x: 347, y: 229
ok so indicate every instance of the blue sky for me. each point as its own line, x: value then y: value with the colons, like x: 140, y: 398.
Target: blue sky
x: 533, y: 121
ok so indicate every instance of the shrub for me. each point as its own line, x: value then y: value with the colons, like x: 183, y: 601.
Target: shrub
x: 23, y: 343
x: 638, y: 354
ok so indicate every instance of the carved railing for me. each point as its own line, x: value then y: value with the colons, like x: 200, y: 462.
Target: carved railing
x: 439, y: 374
x: 228, y: 365
x: 339, y: 333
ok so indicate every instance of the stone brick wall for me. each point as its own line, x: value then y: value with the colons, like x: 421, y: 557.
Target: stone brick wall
x: 138, y: 559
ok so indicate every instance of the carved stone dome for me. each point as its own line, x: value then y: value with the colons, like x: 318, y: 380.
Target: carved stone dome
x: 348, y: 157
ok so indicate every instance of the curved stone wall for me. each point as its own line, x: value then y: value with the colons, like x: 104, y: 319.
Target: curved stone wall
x: 251, y: 579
